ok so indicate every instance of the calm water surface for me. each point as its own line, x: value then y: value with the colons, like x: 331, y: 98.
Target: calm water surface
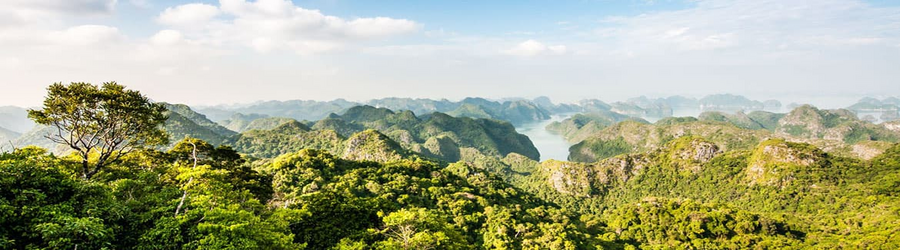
x: 550, y: 145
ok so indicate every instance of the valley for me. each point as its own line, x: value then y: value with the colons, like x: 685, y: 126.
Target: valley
x: 457, y: 125
x: 550, y: 145
x: 578, y: 176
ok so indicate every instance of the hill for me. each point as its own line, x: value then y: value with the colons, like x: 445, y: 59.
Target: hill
x: 15, y: 119
x: 580, y: 126
x: 835, y: 131
x: 184, y: 122
x: 437, y: 135
x: 6, y: 137
x: 241, y: 122
x: 633, y: 137
x: 782, y: 182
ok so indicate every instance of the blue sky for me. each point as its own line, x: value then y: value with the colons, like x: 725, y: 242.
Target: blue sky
x: 828, y: 52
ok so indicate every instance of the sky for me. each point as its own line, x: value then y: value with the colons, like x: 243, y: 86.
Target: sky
x: 205, y: 52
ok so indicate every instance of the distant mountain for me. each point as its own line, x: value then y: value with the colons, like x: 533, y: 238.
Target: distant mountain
x: 887, y: 109
x: 643, y: 107
x: 417, y: 106
x: 872, y: 104
x: 580, y: 126
x: 237, y: 121
x: 754, y: 120
x: 437, y: 135
x: 296, y: 109
x: 554, y: 108
x: 6, y: 137
x: 678, y: 101
x: 634, y: 137
x: 835, y: 131
x: 591, y: 105
x: 515, y: 111
x: 37, y: 136
x: 241, y: 122
x: 286, y: 138
x: 472, y: 111
x: 214, y: 113
x: 15, y: 119
x: 183, y: 121
x: 840, y: 124
x: 732, y: 103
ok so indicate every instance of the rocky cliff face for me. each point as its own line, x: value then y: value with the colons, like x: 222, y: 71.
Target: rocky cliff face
x: 775, y: 161
x: 635, y: 138
x: 690, y: 153
x: 838, y: 132
x: 893, y: 126
x: 587, y: 180
x: 569, y: 177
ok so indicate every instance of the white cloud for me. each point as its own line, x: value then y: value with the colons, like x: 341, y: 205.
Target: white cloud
x: 87, y: 35
x: 755, y: 25
x: 188, y: 14
x: 65, y: 6
x: 27, y: 12
x: 166, y: 37
x: 273, y: 25
x: 535, y: 48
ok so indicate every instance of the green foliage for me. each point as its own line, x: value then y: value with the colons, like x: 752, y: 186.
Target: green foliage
x: 581, y: 126
x: 288, y: 137
x: 42, y: 206
x: 179, y: 127
x: 419, y: 228
x: 438, y: 135
x: 593, y: 150
x: 108, y: 120
x: 634, y: 137
x: 683, y: 191
x: 198, y: 119
x: 240, y: 122
x: 824, y: 201
x: 656, y: 223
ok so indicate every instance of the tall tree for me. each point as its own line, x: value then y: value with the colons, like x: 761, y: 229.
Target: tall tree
x: 108, y: 121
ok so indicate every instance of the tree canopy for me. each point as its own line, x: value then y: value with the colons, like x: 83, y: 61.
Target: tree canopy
x: 101, y: 124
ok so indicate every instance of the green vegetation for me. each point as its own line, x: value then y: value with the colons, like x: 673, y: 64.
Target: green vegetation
x: 515, y: 111
x: 286, y: 138
x: 241, y: 122
x: 785, y: 195
x: 634, y: 137
x: 583, y: 125
x: 835, y: 131
x: 692, y: 185
x: 103, y: 123
x: 437, y: 135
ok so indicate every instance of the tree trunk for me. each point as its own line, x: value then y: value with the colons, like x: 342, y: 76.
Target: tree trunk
x: 85, y: 166
x: 184, y: 194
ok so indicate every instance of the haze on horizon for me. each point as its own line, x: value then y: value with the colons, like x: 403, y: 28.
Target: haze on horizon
x: 203, y: 52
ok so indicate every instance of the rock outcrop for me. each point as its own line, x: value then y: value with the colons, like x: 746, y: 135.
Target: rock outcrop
x: 774, y: 162
x: 690, y: 153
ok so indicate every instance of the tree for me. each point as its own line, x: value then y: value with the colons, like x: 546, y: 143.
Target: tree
x: 108, y: 121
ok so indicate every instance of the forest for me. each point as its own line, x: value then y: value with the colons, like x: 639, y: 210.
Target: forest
x: 123, y: 172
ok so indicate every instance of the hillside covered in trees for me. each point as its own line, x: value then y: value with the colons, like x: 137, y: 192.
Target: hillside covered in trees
x: 374, y: 178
